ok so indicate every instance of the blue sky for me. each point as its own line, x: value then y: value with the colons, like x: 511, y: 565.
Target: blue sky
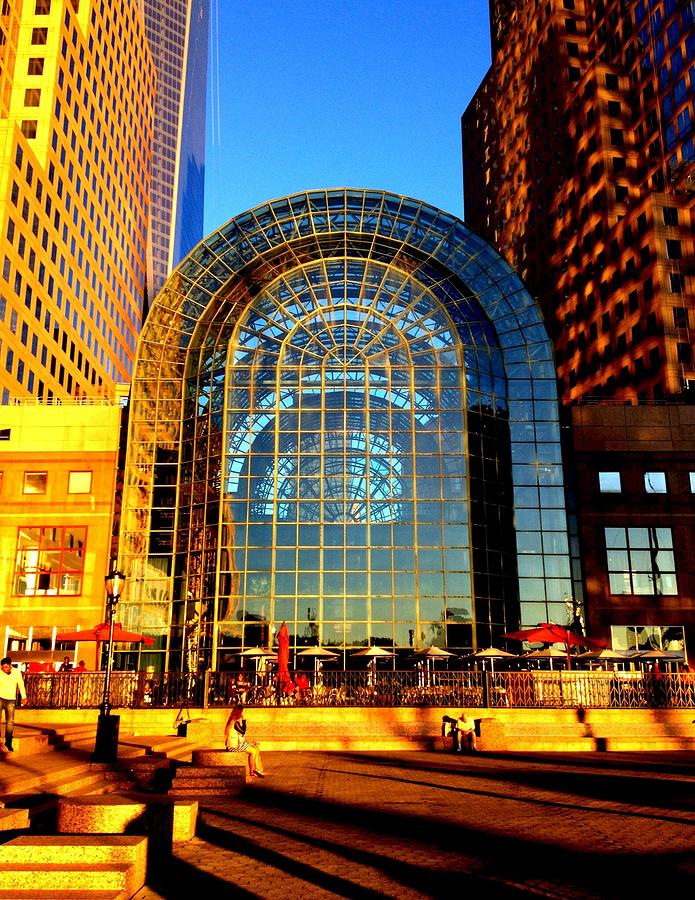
x: 332, y: 93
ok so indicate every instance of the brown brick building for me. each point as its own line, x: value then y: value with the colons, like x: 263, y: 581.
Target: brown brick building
x: 635, y: 486
x: 578, y: 167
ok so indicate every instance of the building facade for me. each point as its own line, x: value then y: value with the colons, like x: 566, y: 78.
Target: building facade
x: 76, y: 106
x: 58, y: 468
x: 634, y: 469
x: 579, y: 167
x: 343, y: 417
x: 177, y: 32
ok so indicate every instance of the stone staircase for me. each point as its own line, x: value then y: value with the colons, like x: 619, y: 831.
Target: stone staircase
x: 106, y: 831
x: 571, y: 730
x: 107, y: 867
x: 212, y: 772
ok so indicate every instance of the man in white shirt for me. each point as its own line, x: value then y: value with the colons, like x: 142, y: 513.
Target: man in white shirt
x: 11, y: 683
x: 465, y: 733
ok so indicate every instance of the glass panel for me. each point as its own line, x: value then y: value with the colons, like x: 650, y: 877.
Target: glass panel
x: 609, y: 482
x: 655, y: 482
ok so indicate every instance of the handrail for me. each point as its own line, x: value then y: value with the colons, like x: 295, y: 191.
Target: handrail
x: 528, y: 689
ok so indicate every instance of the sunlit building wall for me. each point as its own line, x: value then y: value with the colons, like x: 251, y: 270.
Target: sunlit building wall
x: 343, y: 416
x: 579, y: 167
x: 177, y: 32
x: 58, y: 468
x: 76, y: 105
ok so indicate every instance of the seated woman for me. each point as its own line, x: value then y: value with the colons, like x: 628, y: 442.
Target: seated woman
x: 235, y: 741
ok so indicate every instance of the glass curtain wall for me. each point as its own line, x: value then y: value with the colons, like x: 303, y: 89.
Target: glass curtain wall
x: 344, y: 417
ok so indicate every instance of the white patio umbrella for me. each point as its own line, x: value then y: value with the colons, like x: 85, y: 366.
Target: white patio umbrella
x: 606, y: 656
x: 549, y: 653
x: 318, y: 653
x: 257, y: 654
x: 492, y: 653
x: 373, y: 652
x: 433, y: 652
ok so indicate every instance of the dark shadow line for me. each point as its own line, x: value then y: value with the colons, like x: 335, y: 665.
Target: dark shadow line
x: 503, y: 857
x: 180, y: 877
x: 618, y: 788
x: 341, y: 886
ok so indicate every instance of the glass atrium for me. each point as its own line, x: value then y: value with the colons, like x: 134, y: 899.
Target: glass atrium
x: 343, y: 417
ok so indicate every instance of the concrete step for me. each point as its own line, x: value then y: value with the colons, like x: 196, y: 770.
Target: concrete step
x: 169, y: 746
x: 26, y: 743
x: 43, y: 799
x: 222, y: 785
x: 14, y: 819
x: 52, y: 894
x: 90, y: 861
x: 618, y: 743
x: 59, y: 876
x: 351, y: 742
x: 77, y: 848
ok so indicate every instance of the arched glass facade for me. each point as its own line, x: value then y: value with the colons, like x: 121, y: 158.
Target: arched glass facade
x: 343, y: 417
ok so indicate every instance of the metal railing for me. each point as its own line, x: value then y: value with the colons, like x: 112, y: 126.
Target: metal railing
x: 143, y: 690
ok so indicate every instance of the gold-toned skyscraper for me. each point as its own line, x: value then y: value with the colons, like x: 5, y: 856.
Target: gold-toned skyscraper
x: 77, y: 87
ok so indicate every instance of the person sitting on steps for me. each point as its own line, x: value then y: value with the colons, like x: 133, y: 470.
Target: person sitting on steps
x: 465, y: 734
x: 235, y: 741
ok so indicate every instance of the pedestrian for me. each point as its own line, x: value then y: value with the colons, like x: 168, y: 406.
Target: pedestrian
x: 465, y: 733
x: 235, y: 741
x: 11, y: 684
x: 80, y: 667
x: 66, y: 665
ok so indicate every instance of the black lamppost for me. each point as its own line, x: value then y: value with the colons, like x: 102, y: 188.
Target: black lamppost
x: 106, y: 747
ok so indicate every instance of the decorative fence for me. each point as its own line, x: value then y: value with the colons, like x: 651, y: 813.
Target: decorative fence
x: 142, y: 690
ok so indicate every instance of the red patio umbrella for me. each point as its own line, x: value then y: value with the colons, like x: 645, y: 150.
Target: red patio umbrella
x: 283, y: 677
x: 551, y: 633
x: 100, y: 633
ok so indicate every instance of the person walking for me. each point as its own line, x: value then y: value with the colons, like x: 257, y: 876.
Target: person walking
x: 11, y: 684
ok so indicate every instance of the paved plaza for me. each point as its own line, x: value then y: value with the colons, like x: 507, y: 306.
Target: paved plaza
x: 411, y: 825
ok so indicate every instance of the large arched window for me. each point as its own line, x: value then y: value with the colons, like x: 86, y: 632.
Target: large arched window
x: 344, y: 416
x: 345, y: 475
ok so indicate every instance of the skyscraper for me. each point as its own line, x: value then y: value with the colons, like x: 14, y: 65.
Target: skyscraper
x: 76, y: 100
x: 177, y: 31
x: 579, y: 167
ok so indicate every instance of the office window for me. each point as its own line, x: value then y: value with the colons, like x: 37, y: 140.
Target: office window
x: 5, y: 434
x: 49, y: 560
x: 35, y: 482
x: 79, y: 482
x: 655, y: 482
x: 42, y: 8
x: 670, y: 215
x: 35, y: 66
x: 692, y: 482
x: 676, y: 282
x: 609, y: 482
x: 673, y: 249
x: 32, y: 97
x: 28, y: 128
x: 39, y: 36
x: 685, y: 353
x: 641, y: 561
